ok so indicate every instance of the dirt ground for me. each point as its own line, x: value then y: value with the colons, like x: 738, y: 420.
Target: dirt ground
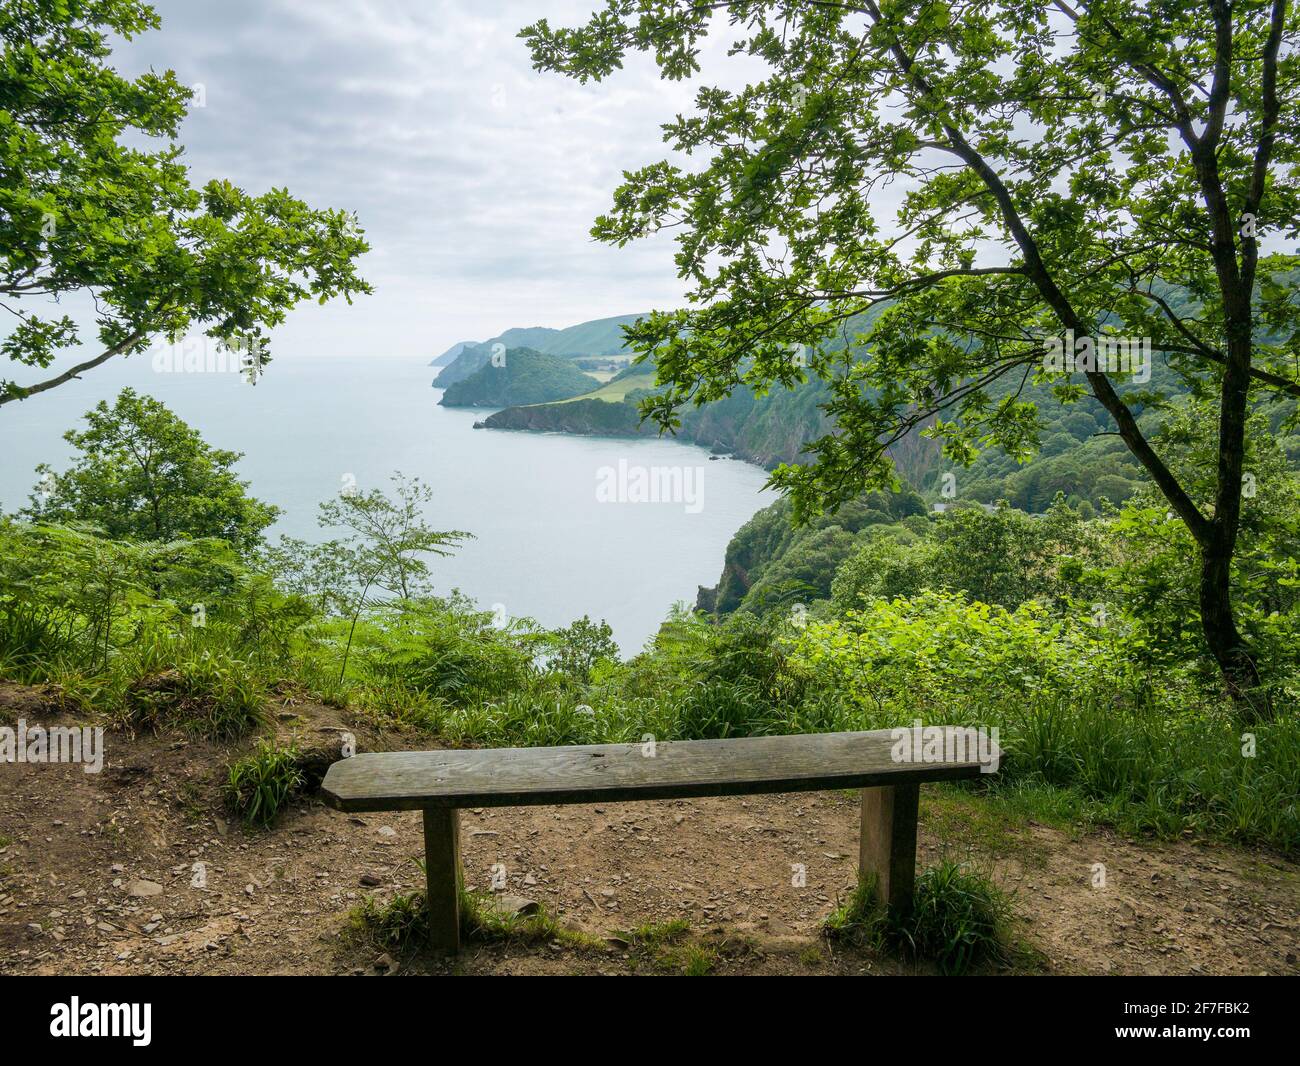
x: 138, y: 870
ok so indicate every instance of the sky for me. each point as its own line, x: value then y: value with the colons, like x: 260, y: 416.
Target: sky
x: 475, y: 177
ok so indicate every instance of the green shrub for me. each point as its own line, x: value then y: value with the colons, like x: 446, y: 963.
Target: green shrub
x: 528, y: 719
x: 444, y: 649
x: 1148, y: 770
x: 31, y: 641
x: 938, y: 649
x: 580, y: 647
x: 392, y: 703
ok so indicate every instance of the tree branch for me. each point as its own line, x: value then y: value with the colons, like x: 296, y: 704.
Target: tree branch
x: 1038, y: 272
x: 74, y: 372
x: 1264, y: 150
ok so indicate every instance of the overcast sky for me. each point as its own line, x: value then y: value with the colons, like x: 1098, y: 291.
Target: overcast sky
x: 475, y: 177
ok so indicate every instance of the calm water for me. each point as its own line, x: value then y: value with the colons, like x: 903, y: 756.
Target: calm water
x: 559, y: 530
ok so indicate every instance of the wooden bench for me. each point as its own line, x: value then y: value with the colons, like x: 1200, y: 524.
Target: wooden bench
x: 441, y: 782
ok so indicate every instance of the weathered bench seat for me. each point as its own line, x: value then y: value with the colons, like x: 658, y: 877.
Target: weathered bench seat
x: 440, y: 782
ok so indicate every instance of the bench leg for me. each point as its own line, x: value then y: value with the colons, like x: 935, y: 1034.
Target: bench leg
x: 442, y: 876
x: 887, y: 843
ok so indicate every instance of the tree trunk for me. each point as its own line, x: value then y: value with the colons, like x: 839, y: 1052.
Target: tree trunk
x: 1237, y: 664
x: 1234, y: 657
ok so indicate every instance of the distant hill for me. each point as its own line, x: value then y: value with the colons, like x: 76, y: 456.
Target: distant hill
x: 524, y: 376
x: 450, y: 354
x: 600, y: 337
x: 535, y: 337
x: 470, y: 359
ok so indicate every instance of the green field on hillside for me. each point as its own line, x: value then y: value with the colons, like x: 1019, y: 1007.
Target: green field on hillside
x: 616, y: 389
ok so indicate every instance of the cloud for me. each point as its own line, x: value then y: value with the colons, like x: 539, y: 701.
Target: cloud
x: 476, y: 178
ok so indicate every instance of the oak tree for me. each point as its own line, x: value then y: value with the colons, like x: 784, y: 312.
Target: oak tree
x: 1065, y: 169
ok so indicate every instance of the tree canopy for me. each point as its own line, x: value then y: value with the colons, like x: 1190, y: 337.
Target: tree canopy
x: 84, y: 210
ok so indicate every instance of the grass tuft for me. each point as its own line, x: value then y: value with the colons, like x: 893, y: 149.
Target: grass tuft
x: 401, y: 924
x: 259, y: 785
x: 480, y: 920
x: 211, y: 696
x: 958, y: 920
x: 667, y: 948
x: 397, y: 926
